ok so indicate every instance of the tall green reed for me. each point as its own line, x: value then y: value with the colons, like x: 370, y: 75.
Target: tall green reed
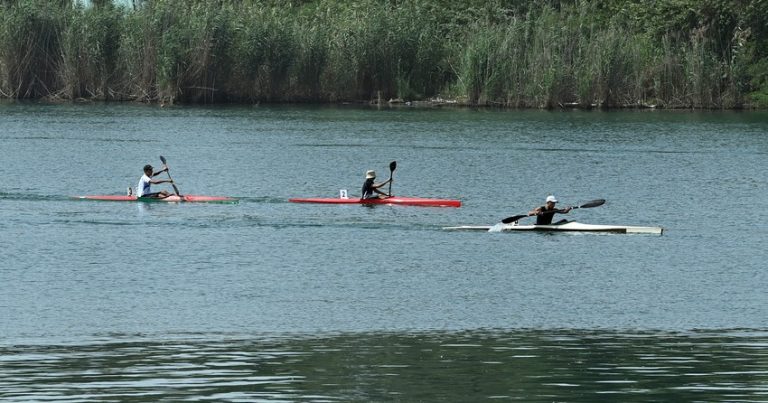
x: 543, y: 54
x: 30, y: 40
x: 90, y: 48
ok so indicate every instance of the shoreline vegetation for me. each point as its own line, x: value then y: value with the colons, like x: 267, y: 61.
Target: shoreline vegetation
x: 605, y: 54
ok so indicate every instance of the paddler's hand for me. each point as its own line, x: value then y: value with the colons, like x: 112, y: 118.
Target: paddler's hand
x: 567, y: 209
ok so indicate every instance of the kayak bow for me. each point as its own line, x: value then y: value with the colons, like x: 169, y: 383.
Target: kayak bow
x: 394, y: 200
x: 170, y: 199
x: 571, y: 226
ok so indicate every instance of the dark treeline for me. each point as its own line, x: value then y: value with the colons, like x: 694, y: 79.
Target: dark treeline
x: 515, y: 53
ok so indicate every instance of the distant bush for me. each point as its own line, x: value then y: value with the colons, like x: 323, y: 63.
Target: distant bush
x: 537, y: 53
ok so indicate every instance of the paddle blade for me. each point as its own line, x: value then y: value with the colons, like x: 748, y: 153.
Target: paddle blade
x: 513, y: 218
x: 392, y: 166
x: 593, y: 203
x: 163, y: 160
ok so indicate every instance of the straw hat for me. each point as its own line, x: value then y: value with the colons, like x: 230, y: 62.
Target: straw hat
x: 370, y: 174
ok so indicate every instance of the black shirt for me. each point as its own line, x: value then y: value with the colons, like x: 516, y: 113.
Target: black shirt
x: 545, y: 216
x: 368, y: 191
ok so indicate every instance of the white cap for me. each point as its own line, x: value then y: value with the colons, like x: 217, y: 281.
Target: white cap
x: 370, y: 174
x: 551, y: 198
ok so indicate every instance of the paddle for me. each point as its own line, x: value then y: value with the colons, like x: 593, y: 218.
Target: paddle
x: 175, y: 189
x: 593, y: 203
x: 392, y: 167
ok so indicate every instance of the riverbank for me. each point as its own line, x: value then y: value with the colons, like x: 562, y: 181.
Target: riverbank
x: 390, y: 103
x: 605, y: 54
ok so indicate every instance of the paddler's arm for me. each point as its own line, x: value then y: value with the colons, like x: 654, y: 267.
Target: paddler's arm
x: 562, y: 210
x: 377, y: 186
x: 160, y: 171
x: 538, y: 211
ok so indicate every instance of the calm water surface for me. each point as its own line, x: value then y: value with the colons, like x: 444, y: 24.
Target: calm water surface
x: 269, y: 300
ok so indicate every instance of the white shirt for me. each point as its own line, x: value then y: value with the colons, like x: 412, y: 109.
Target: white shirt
x: 143, y: 187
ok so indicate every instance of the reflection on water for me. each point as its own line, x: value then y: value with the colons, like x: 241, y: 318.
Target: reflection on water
x: 468, y: 366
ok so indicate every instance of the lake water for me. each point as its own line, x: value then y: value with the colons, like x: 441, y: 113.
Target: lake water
x: 275, y: 301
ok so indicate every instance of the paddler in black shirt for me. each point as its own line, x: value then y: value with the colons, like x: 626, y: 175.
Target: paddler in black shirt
x: 371, y: 189
x: 545, y: 213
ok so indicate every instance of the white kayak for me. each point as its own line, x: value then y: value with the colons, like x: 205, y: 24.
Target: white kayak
x: 571, y: 226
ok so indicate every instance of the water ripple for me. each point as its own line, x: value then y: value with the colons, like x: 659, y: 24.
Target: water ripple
x: 473, y: 366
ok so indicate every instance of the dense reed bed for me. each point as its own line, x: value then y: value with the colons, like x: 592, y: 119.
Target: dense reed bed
x: 542, y: 54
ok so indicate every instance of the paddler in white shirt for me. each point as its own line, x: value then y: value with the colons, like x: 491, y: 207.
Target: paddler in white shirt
x: 545, y: 213
x: 371, y: 189
x: 144, y: 190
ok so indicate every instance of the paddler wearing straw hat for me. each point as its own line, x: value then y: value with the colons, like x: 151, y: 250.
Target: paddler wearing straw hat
x: 371, y: 189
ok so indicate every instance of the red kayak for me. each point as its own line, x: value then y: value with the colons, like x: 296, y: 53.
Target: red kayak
x: 399, y: 200
x: 171, y: 199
